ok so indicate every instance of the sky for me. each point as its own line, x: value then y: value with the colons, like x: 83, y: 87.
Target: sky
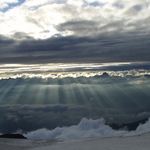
x: 51, y: 31
x: 63, y: 60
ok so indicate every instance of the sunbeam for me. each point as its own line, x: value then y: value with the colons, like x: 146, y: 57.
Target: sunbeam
x: 25, y: 96
x: 67, y: 97
x: 8, y: 93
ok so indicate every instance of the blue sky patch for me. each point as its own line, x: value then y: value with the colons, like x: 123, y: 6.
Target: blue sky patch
x: 96, y: 4
x: 11, y: 5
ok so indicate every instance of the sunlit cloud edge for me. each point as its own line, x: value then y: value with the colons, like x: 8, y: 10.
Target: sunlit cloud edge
x: 61, y: 70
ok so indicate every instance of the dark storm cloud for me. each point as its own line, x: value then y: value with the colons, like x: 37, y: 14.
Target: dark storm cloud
x: 103, y: 48
x: 5, y: 41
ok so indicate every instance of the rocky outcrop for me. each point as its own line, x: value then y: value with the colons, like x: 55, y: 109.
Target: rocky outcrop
x: 14, y: 136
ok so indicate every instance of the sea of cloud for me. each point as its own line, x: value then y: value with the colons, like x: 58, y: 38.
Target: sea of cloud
x: 87, y: 128
x: 134, y: 73
x: 144, y: 127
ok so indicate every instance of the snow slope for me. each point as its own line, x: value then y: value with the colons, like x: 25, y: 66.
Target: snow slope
x: 139, y: 142
x: 134, y: 142
x: 84, y: 136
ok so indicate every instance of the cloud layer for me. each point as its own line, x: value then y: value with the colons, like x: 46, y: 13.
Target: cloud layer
x: 68, y: 31
x: 63, y: 99
x: 27, y: 118
x: 87, y: 128
x: 60, y: 70
x: 66, y: 17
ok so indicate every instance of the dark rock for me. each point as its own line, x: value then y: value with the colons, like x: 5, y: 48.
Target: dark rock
x: 14, y: 136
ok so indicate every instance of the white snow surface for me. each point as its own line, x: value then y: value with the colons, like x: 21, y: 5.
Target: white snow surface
x: 135, y: 142
x: 87, y: 135
x: 115, y: 143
